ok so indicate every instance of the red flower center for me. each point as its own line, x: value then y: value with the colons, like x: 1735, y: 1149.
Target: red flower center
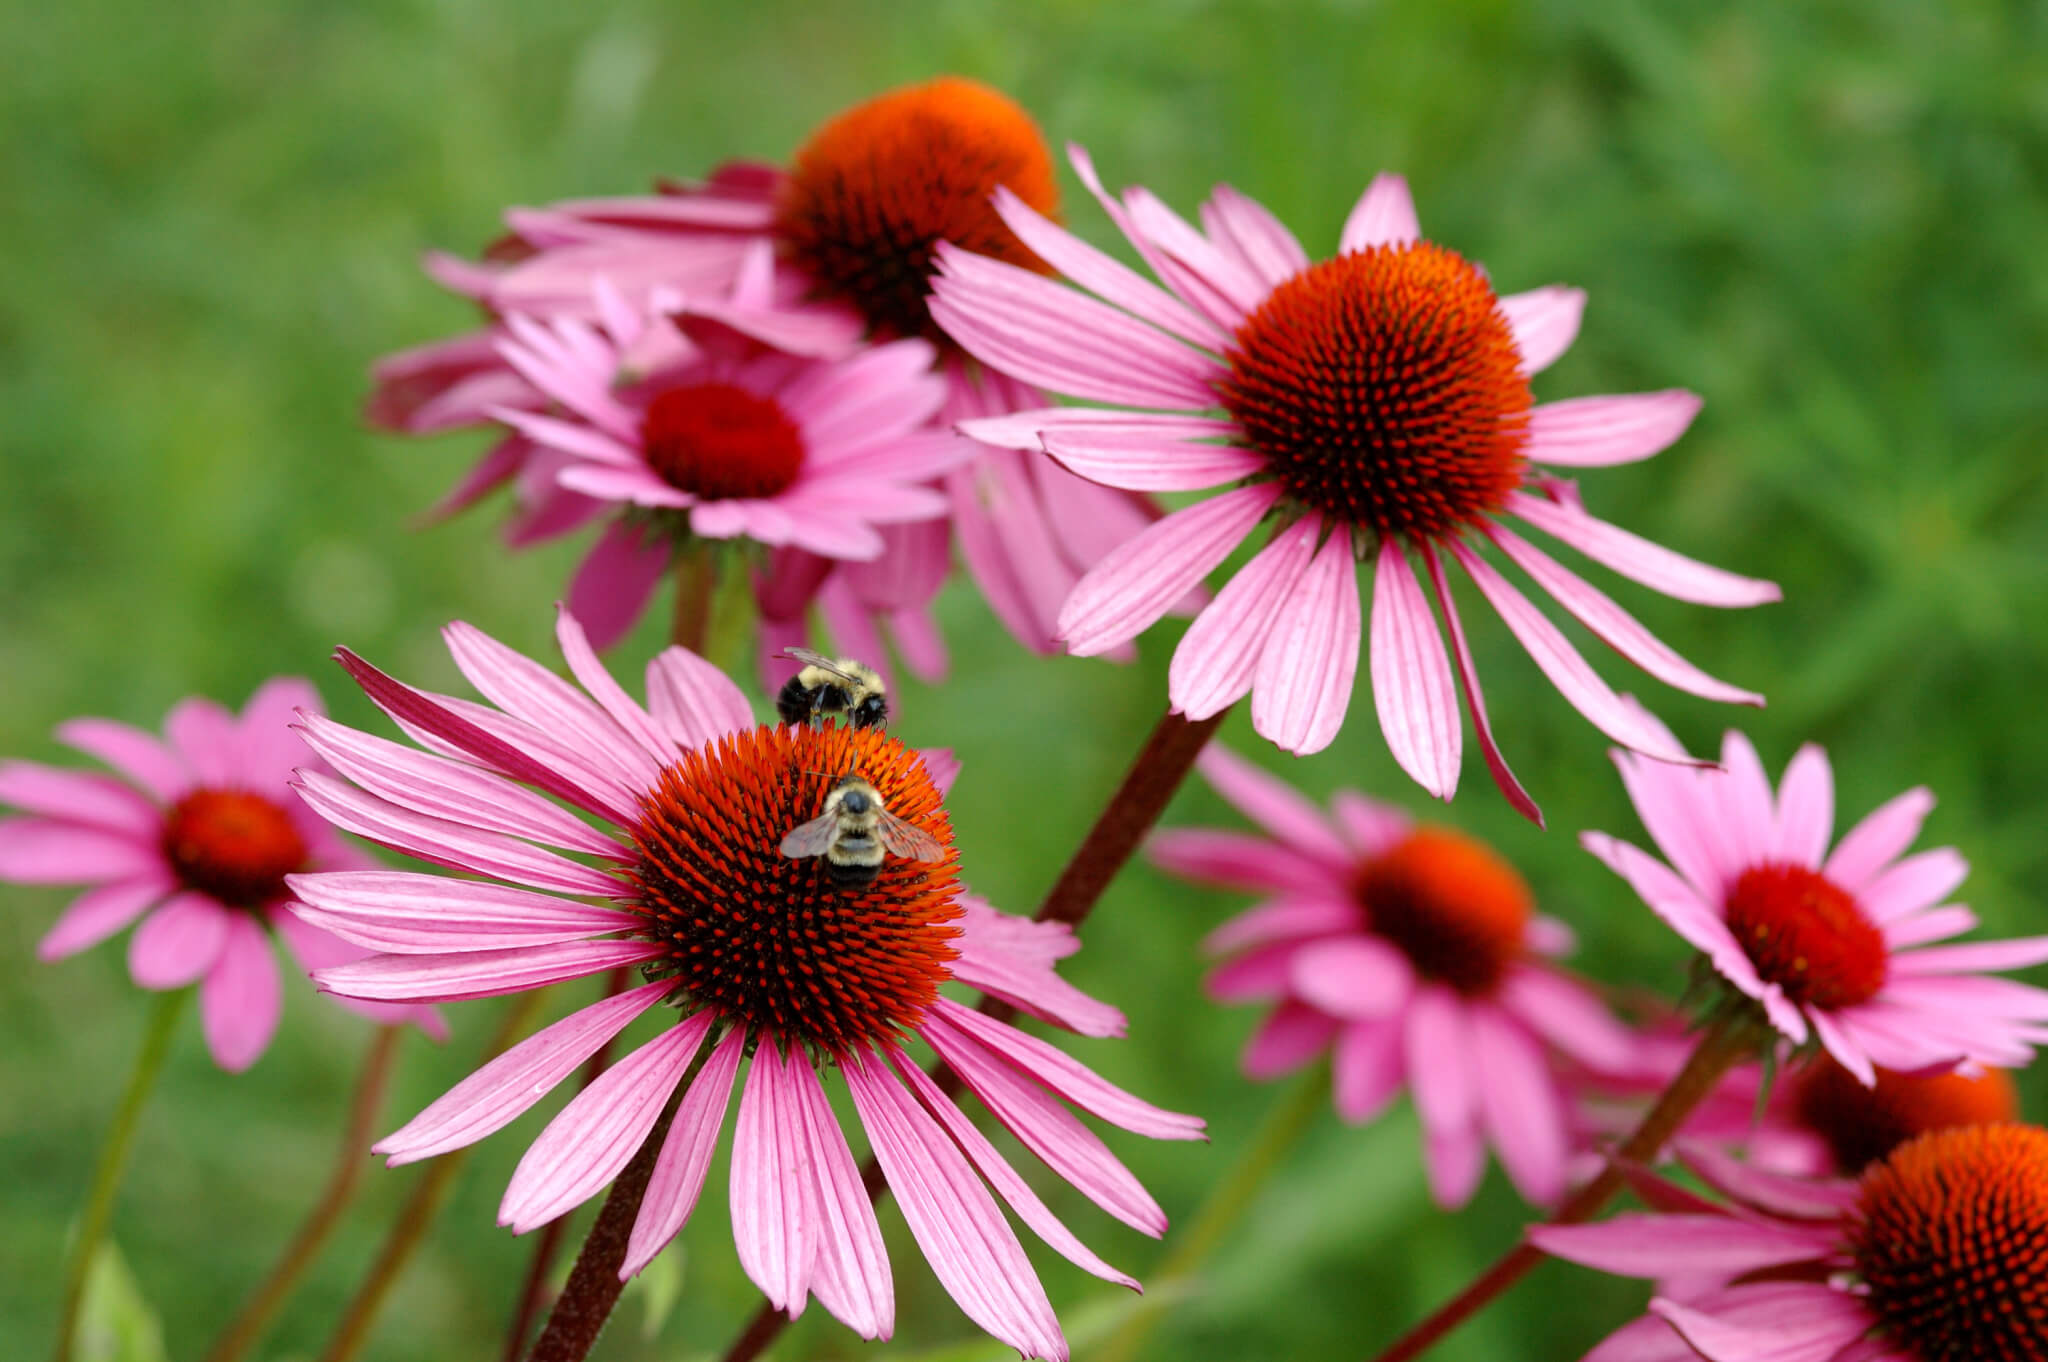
x: 1861, y: 1125
x: 1951, y: 1235
x: 877, y: 188
x: 772, y: 941
x: 717, y: 441
x: 233, y: 845
x: 1454, y: 908
x: 1385, y: 389
x: 1807, y: 936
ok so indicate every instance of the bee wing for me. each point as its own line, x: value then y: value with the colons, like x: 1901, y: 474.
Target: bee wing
x: 907, y: 840
x: 820, y: 661
x: 811, y: 839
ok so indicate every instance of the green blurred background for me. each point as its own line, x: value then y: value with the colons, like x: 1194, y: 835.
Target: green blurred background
x: 1829, y: 220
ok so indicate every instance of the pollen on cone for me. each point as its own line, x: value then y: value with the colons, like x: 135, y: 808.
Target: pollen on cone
x: 232, y: 844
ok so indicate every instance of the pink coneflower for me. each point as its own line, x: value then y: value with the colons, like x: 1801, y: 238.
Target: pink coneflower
x: 1373, y: 405
x: 851, y: 227
x: 194, y: 841
x: 766, y: 956
x: 1415, y: 957
x: 1937, y: 1254
x: 1835, y: 945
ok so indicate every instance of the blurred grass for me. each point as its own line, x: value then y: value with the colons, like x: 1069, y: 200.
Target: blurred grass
x: 1825, y: 218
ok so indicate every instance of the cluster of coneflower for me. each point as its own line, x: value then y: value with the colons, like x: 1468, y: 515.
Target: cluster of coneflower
x: 830, y: 380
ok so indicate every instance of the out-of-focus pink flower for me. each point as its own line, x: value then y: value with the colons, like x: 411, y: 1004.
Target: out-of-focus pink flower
x: 193, y: 841
x: 1933, y: 1254
x: 1836, y: 945
x: 1375, y: 405
x: 1414, y: 956
x: 682, y: 874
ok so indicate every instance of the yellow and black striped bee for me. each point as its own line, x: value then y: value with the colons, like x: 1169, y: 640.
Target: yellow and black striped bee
x: 824, y: 686
x: 856, y: 832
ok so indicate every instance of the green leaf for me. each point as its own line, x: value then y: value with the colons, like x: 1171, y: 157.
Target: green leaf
x: 660, y: 1286
x: 115, y: 1323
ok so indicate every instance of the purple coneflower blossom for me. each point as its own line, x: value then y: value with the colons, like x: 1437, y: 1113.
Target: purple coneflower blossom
x: 1414, y: 956
x: 1935, y: 1254
x: 194, y: 841
x: 1836, y: 945
x: 754, y: 958
x: 1375, y: 405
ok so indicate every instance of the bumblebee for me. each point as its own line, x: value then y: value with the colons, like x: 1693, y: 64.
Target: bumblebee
x: 856, y: 832
x: 824, y: 686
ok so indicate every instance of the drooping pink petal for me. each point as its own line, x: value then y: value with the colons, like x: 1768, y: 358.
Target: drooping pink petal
x: 1288, y: 1037
x: 1366, y: 1068
x: 774, y: 1220
x: 499, y: 1092
x: 1217, y: 657
x: 685, y: 1156
x: 1383, y: 216
x: 1637, y: 558
x: 1437, y: 1047
x: 615, y: 581
x: 409, y: 914
x: 141, y: 757
x: 601, y: 1129
x: 1591, y: 432
x: 1881, y: 838
x: 1475, y: 700
x: 44, y: 851
x: 954, y: 1220
x: 1274, y: 805
x: 850, y: 1274
x: 100, y: 912
x: 78, y: 797
x: 1411, y: 677
x: 1356, y: 978
x: 1129, y: 590
x: 1302, y: 685
x: 1544, y: 322
x: 240, y: 998
x: 479, y: 974
x: 1454, y: 1159
x: 1519, y: 1105
x: 179, y: 942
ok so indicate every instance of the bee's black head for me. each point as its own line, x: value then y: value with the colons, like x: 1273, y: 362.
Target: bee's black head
x: 854, y: 801
x: 871, y: 712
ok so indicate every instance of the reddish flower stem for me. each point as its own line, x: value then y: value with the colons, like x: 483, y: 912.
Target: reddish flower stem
x: 352, y: 1156
x: 696, y: 574
x: 1157, y: 772
x: 1725, y: 1042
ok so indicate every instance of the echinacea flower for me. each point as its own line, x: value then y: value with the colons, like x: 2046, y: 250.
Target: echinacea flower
x: 1375, y: 405
x: 194, y: 841
x: 1835, y: 945
x: 1939, y: 1253
x: 1414, y: 955
x: 849, y: 230
x: 768, y: 961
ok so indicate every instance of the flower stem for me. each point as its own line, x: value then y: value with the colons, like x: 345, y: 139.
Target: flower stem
x: 594, y: 1285
x: 696, y: 574
x: 1730, y: 1038
x: 1156, y: 773
x: 549, y: 1241
x: 419, y: 1210
x: 357, y: 1131
x: 1282, y: 1129
x: 113, y: 1161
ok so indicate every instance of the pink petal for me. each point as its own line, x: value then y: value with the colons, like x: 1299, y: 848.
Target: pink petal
x: 1806, y: 809
x: 1568, y: 1016
x: 694, y: 702
x: 1936, y: 924
x: 1913, y: 884
x: 954, y: 1220
x: 139, y: 756
x: 851, y: 1272
x: 1638, y: 1245
x: 1674, y: 811
x: 1613, y: 625
x: 479, y: 974
x: 179, y: 942
x: 1291, y: 1035
x: 1214, y: 664
x: 601, y: 1129
x: 631, y: 486
x: 1975, y: 957
x: 686, y: 1156
x: 1637, y: 558
x: 1274, y: 805
x: 42, y: 851
x: 616, y: 580
x: 1355, y: 978
x: 1519, y: 1106
x: 1746, y: 823
x: 1437, y: 1045
x: 1778, y: 1194
x: 527, y: 690
x: 204, y: 736
x: 1188, y: 284
x: 1366, y: 1069
x: 1259, y: 975
x: 98, y: 913
x: 240, y: 999
x: 499, y: 1092
x: 1383, y: 216
x: 1025, y: 430
x: 995, y: 960
x: 1238, y: 289
x: 1140, y: 460
x: 78, y: 797
x: 1559, y: 661
x: 1881, y: 838
x: 1284, y: 919
x: 409, y: 914
x: 774, y: 1223
x: 1679, y: 905
x: 1131, y: 588
x: 1259, y: 239
x: 1411, y: 677
x: 1475, y: 700
x: 1815, y: 1333
x: 1454, y: 1158
x: 1545, y: 322
x: 268, y: 748
x: 1238, y: 860
x: 1592, y: 432
x: 1302, y: 686
x: 593, y: 676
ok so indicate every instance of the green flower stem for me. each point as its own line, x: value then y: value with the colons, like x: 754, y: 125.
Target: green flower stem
x: 113, y: 1162
x: 696, y: 574
x: 1283, y: 1128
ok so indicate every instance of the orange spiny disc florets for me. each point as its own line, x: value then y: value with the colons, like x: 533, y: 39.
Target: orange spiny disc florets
x: 1861, y: 1125
x: 1951, y: 1236
x: 1806, y: 935
x: 877, y: 188
x: 717, y: 441
x: 233, y: 845
x: 770, y: 941
x: 1456, y: 910
x: 1385, y: 389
